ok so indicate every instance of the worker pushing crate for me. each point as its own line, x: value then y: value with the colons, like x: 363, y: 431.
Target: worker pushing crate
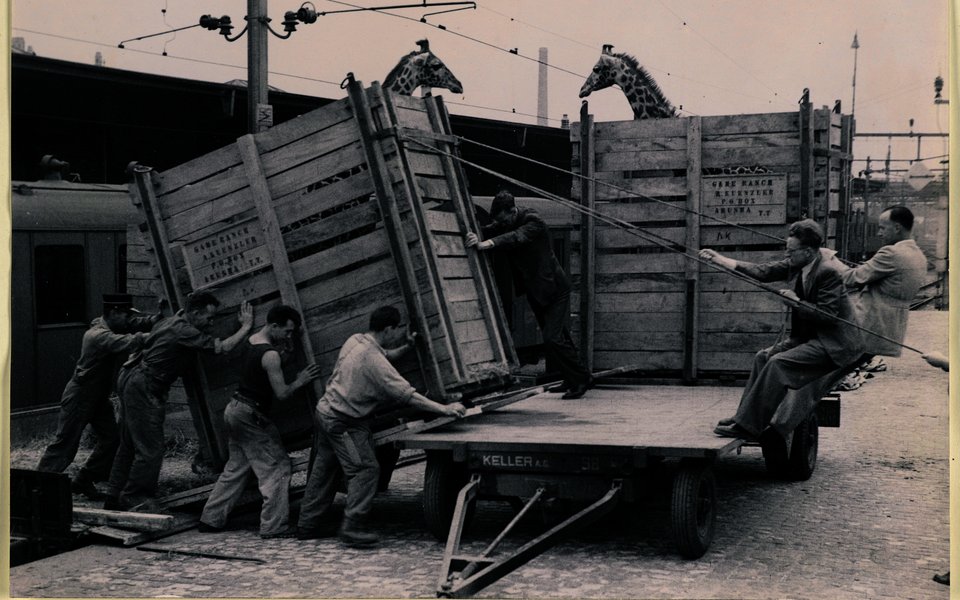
x: 333, y: 214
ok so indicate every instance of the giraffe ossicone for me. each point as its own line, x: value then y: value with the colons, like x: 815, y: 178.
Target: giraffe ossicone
x: 421, y: 68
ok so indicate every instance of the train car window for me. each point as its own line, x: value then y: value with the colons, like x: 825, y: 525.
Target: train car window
x: 122, y: 270
x: 59, y: 284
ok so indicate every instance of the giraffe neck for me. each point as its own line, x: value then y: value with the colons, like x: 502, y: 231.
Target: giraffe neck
x: 407, y: 81
x: 642, y: 100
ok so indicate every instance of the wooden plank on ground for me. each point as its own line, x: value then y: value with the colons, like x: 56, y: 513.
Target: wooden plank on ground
x: 132, y: 538
x: 130, y: 520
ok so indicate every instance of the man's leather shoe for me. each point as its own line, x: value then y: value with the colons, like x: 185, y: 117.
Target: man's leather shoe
x: 728, y: 421
x: 289, y: 532
x: 355, y: 535
x: 82, y: 485
x: 112, y: 503
x: 325, y: 530
x: 560, y: 387
x: 578, y: 390
x: 732, y: 431
x: 205, y: 528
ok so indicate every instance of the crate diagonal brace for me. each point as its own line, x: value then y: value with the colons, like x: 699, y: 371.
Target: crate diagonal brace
x: 477, y: 572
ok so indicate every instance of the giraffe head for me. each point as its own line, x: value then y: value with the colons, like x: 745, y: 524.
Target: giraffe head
x: 645, y: 97
x: 604, y: 74
x: 421, y: 68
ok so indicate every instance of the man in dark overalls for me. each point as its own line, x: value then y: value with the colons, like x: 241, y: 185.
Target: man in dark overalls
x: 86, y: 397
x: 144, y: 384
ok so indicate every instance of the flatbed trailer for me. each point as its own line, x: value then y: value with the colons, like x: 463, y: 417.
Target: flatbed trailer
x: 590, y: 454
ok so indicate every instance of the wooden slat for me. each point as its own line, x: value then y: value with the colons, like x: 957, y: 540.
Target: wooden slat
x: 611, y: 237
x: 755, y: 123
x: 615, y: 322
x: 733, y: 322
x: 648, y: 186
x: 635, y: 161
x: 634, y: 263
x: 649, y: 144
x: 639, y: 282
x: 640, y: 128
x: 767, y: 157
x: 646, y: 360
x: 746, y: 301
x: 645, y: 211
x: 640, y: 302
x: 726, y: 362
x: 639, y: 341
x: 198, y: 169
x: 717, y: 341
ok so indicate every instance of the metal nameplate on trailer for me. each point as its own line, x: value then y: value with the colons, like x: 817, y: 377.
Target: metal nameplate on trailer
x: 746, y: 198
x: 546, y: 462
x: 225, y: 255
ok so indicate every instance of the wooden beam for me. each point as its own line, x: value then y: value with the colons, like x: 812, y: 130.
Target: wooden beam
x: 398, y: 243
x: 280, y: 264
x: 458, y: 197
x: 492, y: 298
x: 691, y: 321
x: 588, y: 237
x: 194, y: 381
x: 807, y: 162
x: 407, y: 181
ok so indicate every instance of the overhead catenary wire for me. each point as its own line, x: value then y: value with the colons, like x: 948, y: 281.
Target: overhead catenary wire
x: 649, y: 236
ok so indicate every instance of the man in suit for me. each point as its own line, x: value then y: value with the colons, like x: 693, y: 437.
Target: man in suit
x: 885, y: 285
x: 888, y: 282
x: 818, y: 343
x: 538, y: 274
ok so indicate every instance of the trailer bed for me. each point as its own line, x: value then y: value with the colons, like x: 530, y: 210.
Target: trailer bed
x: 662, y: 420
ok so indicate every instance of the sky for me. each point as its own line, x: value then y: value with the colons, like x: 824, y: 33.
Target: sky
x: 709, y: 57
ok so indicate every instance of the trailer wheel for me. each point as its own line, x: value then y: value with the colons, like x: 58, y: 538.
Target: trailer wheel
x: 693, y: 508
x: 803, y: 450
x: 442, y: 483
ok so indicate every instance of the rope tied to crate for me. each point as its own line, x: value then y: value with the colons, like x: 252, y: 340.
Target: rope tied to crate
x: 653, y: 238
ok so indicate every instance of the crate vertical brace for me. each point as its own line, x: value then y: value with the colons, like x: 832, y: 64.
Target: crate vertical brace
x: 462, y: 575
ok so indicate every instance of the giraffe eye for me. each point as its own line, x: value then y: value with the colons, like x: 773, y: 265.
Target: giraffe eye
x: 596, y: 69
x: 435, y: 67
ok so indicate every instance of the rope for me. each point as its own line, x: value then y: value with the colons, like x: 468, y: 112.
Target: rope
x: 632, y: 193
x: 650, y: 237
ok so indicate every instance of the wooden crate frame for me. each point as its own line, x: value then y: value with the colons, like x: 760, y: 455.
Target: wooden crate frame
x: 642, y: 304
x: 334, y: 213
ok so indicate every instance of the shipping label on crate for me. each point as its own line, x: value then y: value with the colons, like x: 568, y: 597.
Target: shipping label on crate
x: 745, y: 199
x: 226, y: 255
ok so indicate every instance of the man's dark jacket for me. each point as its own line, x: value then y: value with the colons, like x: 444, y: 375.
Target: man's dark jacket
x: 536, y: 270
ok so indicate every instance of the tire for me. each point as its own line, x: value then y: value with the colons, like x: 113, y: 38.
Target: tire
x: 803, y: 450
x: 442, y: 483
x: 693, y: 508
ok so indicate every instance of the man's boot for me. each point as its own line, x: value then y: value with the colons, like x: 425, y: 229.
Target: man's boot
x: 82, y: 484
x: 355, y: 534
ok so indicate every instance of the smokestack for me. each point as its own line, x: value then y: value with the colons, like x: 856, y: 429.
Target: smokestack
x: 542, y: 89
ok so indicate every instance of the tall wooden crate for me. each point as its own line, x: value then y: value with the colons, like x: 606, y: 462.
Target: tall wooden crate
x: 646, y: 305
x: 336, y: 212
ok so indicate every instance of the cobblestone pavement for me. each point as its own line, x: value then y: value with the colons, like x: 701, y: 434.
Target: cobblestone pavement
x: 871, y: 523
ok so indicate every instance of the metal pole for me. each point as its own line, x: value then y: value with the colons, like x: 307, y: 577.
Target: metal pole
x: 259, y: 114
x: 866, y: 212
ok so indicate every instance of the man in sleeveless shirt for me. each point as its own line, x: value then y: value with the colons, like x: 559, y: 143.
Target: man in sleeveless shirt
x: 253, y: 439
x: 363, y: 381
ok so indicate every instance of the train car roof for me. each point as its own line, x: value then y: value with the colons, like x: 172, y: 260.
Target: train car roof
x: 63, y: 205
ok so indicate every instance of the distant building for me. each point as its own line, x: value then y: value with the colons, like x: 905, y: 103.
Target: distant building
x: 19, y: 46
